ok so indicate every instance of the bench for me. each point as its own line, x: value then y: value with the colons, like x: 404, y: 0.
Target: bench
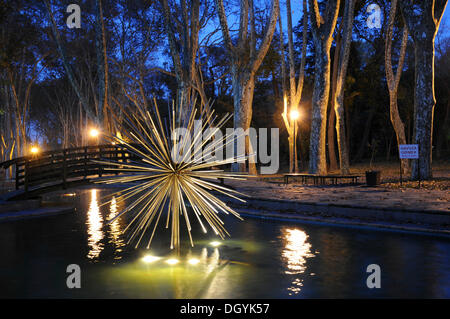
x: 321, y: 179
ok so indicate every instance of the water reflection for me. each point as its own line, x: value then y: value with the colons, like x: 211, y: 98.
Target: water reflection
x: 296, y: 250
x: 95, y: 230
x: 210, y: 272
x: 95, y: 224
x: 115, y: 228
x: 263, y: 266
x: 197, y: 274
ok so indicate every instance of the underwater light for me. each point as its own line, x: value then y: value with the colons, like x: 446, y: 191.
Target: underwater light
x: 193, y: 261
x: 215, y: 243
x: 172, y: 261
x: 150, y: 259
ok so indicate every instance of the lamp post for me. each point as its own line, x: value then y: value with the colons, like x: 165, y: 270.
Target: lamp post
x: 294, y: 117
x: 290, y: 121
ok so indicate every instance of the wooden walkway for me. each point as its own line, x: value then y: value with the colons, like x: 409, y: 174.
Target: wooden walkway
x: 64, y: 167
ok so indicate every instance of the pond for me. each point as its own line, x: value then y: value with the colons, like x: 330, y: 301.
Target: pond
x: 262, y: 259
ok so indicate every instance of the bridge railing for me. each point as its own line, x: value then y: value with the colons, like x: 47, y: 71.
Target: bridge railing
x: 63, y: 165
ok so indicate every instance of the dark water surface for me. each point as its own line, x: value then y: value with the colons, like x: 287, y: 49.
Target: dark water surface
x: 262, y: 259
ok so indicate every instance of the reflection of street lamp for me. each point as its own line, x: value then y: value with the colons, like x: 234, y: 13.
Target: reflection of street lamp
x: 295, y: 114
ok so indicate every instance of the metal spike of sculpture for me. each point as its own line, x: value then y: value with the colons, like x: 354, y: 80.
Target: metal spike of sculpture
x: 166, y: 179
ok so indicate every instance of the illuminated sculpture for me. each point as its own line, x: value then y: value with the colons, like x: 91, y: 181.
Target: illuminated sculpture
x: 171, y: 173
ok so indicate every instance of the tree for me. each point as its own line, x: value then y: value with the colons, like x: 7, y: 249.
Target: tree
x: 442, y: 112
x: 184, y: 51
x: 338, y: 102
x: 245, y: 60
x: 102, y: 65
x: 394, y: 80
x: 295, y: 89
x: 322, y: 30
x: 70, y: 74
x: 422, y: 20
x: 23, y: 58
x: 332, y: 114
x: 369, y: 103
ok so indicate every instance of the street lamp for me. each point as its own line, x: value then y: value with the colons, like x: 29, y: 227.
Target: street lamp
x: 94, y: 132
x: 295, y: 115
x: 34, y: 150
x: 93, y: 135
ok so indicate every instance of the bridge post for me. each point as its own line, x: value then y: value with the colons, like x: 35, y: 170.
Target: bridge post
x: 25, y: 176
x: 116, y: 154
x: 17, y: 176
x: 64, y: 173
x: 85, y: 161
x: 100, y: 158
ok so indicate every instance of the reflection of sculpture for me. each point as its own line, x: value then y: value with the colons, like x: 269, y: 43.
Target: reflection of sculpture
x: 165, y: 184
x: 209, y: 267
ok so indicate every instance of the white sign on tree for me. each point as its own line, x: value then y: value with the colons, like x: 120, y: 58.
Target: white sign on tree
x: 410, y: 151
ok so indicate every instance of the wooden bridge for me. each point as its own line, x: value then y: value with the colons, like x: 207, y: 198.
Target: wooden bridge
x: 51, y: 170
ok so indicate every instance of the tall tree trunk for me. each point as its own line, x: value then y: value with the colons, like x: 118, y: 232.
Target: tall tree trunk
x: 344, y: 162
x: 317, y: 159
x: 245, y: 62
x: 102, y: 67
x: 322, y: 34
x: 285, y: 94
x: 332, y: 114
x: 243, y: 88
x: 183, y: 50
x: 69, y: 72
x: 295, y: 88
x: 394, y: 80
x: 422, y: 20
x: 424, y: 103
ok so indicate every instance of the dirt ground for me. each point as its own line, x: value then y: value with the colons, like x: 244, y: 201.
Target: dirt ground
x: 384, y: 196
x: 431, y: 195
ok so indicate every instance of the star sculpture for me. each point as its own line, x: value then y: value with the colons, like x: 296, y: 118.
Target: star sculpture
x: 166, y: 177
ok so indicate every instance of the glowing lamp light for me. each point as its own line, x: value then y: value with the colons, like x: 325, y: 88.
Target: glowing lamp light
x: 94, y: 132
x: 295, y: 115
x: 193, y: 261
x: 34, y: 150
x: 70, y: 194
x: 150, y: 259
x: 215, y: 243
x: 172, y: 261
